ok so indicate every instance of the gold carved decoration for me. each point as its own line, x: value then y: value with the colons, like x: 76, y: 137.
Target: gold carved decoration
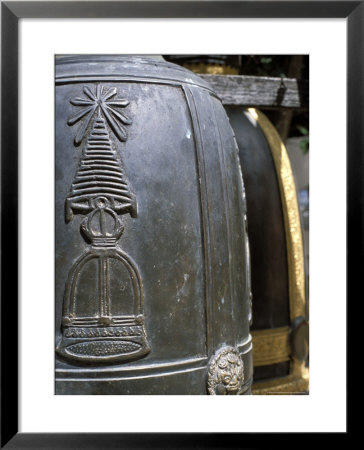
x: 271, y: 346
x: 298, y: 379
x: 287, y: 187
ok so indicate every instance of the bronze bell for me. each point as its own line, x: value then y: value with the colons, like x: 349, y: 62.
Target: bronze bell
x: 152, y: 266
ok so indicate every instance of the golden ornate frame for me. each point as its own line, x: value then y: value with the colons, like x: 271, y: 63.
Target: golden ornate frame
x: 278, y: 339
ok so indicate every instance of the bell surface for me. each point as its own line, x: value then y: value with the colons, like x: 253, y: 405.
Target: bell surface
x: 152, y: 257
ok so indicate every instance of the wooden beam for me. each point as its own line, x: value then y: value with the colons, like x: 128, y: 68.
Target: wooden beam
x: 262, y: 92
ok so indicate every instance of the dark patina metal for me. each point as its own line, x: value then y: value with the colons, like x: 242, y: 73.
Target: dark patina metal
x: 152, y: 269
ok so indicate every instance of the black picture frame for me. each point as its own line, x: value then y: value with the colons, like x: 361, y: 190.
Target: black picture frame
x: 11, y: 12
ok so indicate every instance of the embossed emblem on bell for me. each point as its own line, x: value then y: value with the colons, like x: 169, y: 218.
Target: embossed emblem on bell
x: 226, y: 372
x: 109, y: 326
x: 152, y: 264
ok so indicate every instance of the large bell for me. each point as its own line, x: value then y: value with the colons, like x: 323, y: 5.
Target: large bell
x: 152, y: 266
x: 280, y: 326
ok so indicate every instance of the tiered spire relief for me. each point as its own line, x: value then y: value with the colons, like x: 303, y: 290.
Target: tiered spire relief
x: 112, y: 328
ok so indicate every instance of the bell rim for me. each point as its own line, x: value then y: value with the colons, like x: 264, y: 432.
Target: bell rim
x: 131, y: 66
